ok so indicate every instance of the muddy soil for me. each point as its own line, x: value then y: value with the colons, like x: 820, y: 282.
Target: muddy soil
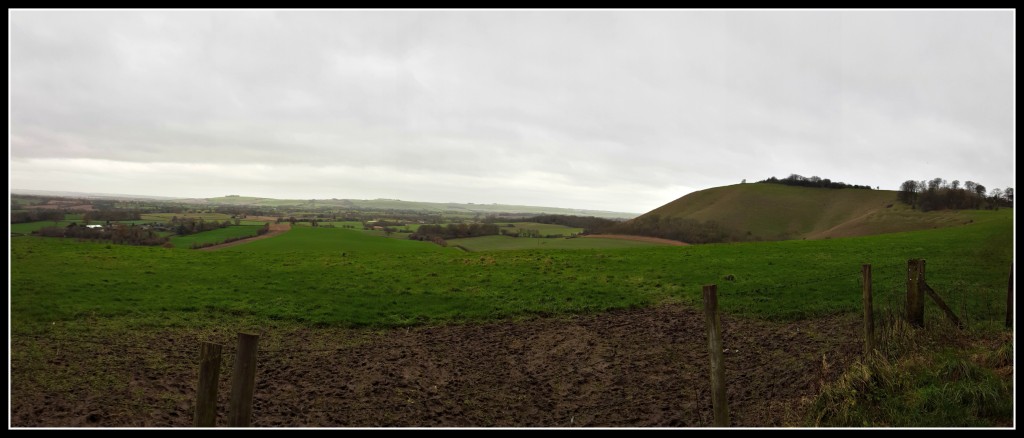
x: 626, y: 368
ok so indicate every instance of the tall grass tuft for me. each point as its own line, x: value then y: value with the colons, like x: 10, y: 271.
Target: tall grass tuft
x: 937, y: 376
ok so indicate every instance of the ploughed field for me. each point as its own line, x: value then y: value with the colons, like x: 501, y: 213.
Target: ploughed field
x: 639, y: 367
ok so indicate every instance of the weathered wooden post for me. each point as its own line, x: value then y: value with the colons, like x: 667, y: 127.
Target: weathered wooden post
x: 719, y: 402
x: 915, y: 302
x: 869, y: 316
x: 243, y: 381
x: 206, y: 392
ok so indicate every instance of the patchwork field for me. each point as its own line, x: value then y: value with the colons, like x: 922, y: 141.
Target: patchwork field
x: 165, y: 217
x: 463, y: 210
x: 358, y: 330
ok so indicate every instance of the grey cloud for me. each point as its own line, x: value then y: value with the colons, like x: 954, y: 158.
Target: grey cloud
x: 625, y: 103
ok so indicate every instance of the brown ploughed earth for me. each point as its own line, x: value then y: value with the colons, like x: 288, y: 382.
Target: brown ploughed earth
x: 622, y: 368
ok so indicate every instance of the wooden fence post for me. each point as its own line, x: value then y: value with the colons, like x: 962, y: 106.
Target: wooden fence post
x: 243, y: 381
x: 915, y: 302
x: 869, y: 316
x: 719, y: 402
x: 206, y: 392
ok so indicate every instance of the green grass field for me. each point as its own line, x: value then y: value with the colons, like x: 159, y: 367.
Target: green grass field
x: 302, y: 277
x: 337, y: 224
x: 543, y: 229
x: 309, y: 240
x: 215, y: 236
x: 28, y: 227
x: 384, y: 234
x: 358, y: 226
x: 245, y: 222
x: 505, y: 243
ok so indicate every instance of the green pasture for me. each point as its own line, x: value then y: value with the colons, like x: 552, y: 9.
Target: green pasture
x: 324, y: 276
x: 216, y: 235
x: 245, y: 222
x: 543, y: 229
x: 310, y: 240
x: 28, y: 227
x: 504, y: 243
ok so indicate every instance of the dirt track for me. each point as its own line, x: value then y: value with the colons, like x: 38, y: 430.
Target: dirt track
x: 275, y: 229
x: 646, y: 367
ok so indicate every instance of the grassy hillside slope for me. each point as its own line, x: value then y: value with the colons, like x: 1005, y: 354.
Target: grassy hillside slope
x: 780, y: 212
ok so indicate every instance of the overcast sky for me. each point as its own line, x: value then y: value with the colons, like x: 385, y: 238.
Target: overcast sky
x: 608, y: 110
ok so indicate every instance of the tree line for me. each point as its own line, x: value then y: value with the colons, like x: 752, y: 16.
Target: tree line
x: 121, y: 234
x: 678, y: 228
x: 522, y: 232
x: 19, y: 217
x: 652, y: 225
x: 186, y: 226
x: 589, y: 224
x: 814, y: 181
x: 440, y: 233
x: 937, y: 194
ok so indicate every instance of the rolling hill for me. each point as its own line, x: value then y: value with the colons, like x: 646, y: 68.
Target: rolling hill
x: 468, y: 209
x: 781, y: 212
x: 395, y: 204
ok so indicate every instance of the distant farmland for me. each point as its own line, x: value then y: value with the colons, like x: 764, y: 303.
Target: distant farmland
x: 216, y: 235
x: 165, y: 217
x: 543, y: 229
x: 335, y: 240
